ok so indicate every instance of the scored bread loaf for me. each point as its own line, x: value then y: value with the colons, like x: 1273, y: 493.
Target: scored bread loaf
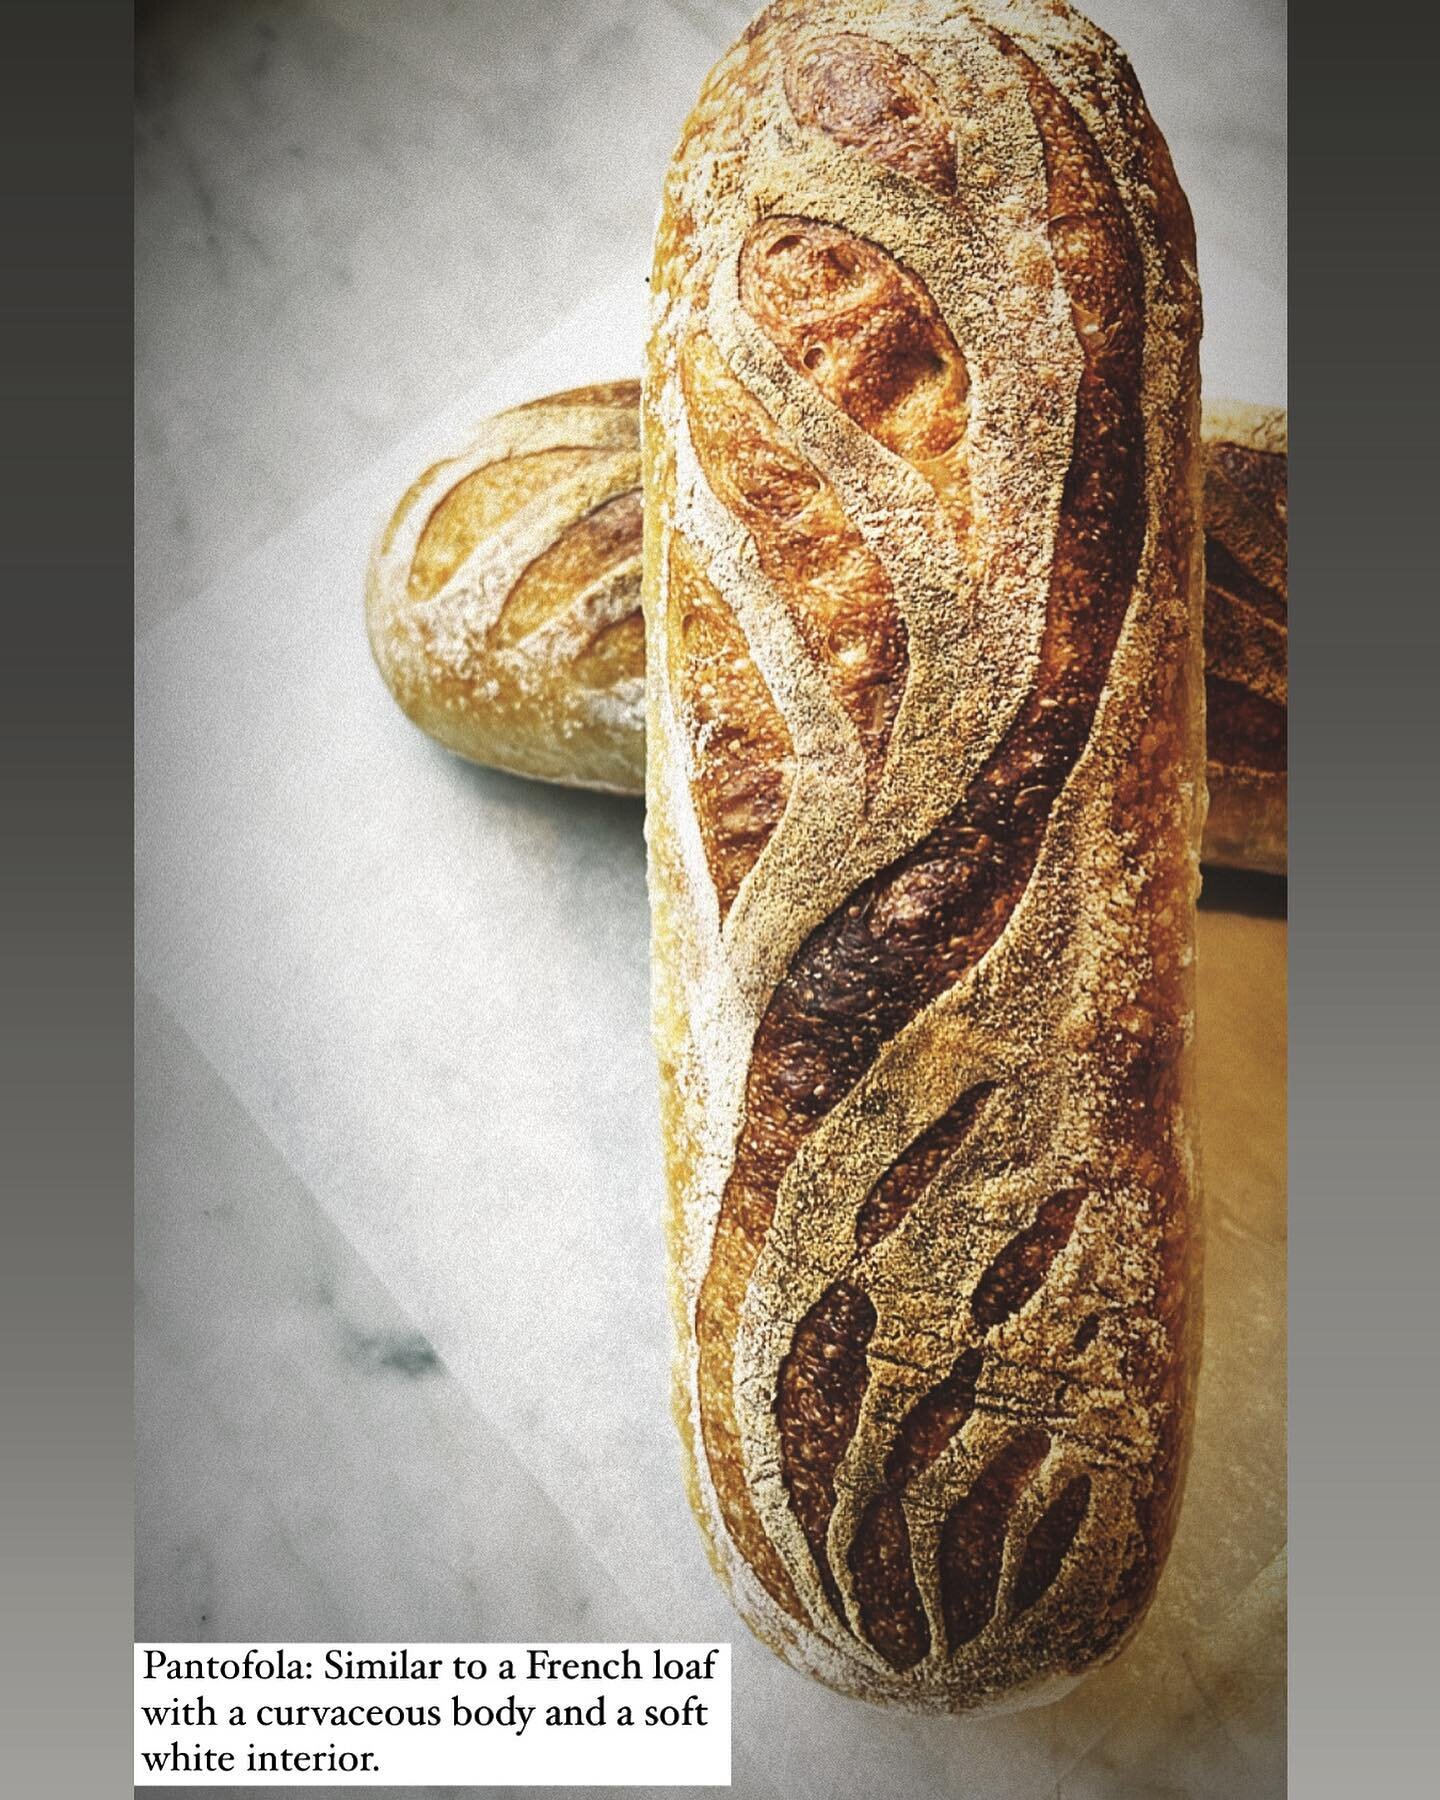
x: 1246, y: 634
x: 1245, y: 452
x: 925, y: 789
x: 503, y: 596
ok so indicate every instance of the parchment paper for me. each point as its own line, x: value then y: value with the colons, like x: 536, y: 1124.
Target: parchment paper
x: 428, y: 984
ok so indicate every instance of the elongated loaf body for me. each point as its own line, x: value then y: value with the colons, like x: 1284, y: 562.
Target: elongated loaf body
x: 503, y: 596
x: 1246, y: 634
x: 925, y: 789
x: 1246, y: 644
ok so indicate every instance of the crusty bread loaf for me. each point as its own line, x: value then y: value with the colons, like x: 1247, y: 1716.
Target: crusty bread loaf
x: 925, y: 790
x: 1245, y: 539
x: 503, y: 596
x: 1246, y: 634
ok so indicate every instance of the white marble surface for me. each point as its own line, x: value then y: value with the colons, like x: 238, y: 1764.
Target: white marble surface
x: 401, y: 1338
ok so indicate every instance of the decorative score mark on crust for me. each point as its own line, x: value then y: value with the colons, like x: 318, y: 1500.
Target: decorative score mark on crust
x: 743, y: 778
x: 585, y: 551
x: 972, y: 1538
x: 1049, y: 1543
x: 1226, y: 576
x: 869, y: 96
x: 868, y: 334
x: 817, y: 1407
x: 1246, y: 518
x: 1244, y: 730
x: 892, y: 1615
x: 482, y: 502
x: 1246, y: 608
x: 615, y: 654
x: 824, y: 1375
x: 622, y: 396
x: 933, y: 1420
x: 882, y: 1572
x: 822, y: 568
x: 921, y: 925
x: 907, y: 1178
x: 1018, y: 1272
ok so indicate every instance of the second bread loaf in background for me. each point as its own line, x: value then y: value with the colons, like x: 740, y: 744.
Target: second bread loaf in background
x: 1247, y: 635
x: 503, y: 596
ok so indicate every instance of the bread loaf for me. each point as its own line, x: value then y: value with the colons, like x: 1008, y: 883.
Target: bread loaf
x: 925, y: 789
x: 503, y: 596
x: 1245, y: 542
x: 1246, y: 634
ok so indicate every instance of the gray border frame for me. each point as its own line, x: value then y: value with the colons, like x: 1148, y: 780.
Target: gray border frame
x: 1363, y: 1459
x: 66, y: 881
x: 1363, y: 849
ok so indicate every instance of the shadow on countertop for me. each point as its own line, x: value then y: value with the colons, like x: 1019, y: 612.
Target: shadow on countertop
x: 1241, y: 891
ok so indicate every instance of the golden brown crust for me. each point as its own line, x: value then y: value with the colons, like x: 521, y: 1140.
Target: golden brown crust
x: 835, y: 589
x: 503, y: 596
x: 869, y: 95
x: 1246, y: 634
x: 924, y: 1070
x: 741, y: 787
x: 1245, y: 523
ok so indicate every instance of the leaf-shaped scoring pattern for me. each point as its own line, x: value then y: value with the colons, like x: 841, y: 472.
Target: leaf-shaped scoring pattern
x: 921, y: 925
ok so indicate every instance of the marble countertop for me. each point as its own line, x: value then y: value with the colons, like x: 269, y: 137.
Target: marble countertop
x: 401, y: 1335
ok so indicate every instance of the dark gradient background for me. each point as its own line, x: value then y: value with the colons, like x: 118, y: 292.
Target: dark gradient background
x: 65, y: 875
x: 1364, y: 1212
x: 1365, y: 1224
